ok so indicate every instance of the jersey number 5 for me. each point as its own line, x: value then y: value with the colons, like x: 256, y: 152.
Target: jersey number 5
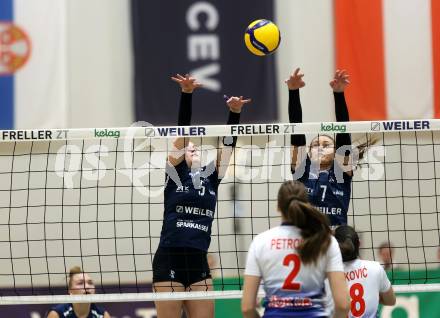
x: 202, y: 189
x: 289, y: 282
x: 357, y: 300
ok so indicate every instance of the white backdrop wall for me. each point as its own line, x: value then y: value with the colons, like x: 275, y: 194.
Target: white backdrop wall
x: 100, y: 75
x: 310, y: 23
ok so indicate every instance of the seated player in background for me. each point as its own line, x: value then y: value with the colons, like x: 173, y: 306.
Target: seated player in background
x: 367, y: 281
x: 180, y: 262
x: 386, y: 254
x: 293, y: 260
x: 325, y: 168
x: 80, y: 283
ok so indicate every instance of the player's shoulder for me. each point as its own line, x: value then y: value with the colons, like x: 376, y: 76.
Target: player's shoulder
x: 264, y: 235
x: 97, y: 310
x: 333, y: 243
x: 180, y: 168
x: 371, y: 264
x: 61, y: 308
x: 269, y: 234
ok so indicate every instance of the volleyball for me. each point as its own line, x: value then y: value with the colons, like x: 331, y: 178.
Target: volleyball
x: 262, y: 37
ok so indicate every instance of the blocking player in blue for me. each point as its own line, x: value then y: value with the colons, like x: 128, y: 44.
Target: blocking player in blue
x: 324, y: 168
x: 180, y: 263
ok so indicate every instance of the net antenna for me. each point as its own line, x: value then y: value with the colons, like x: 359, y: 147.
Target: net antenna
x: 94, y: 198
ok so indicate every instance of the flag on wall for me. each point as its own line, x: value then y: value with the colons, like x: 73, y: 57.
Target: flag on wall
x: 205, y: 39
x: 392, y: 51
x: 32, y: 64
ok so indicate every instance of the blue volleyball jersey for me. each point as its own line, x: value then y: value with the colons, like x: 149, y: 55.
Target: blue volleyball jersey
x: 330, y: 195
x: 66, y: 311
x: 189, y: 206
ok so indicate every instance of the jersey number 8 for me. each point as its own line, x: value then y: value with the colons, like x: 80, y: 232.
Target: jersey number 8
x: 357, y: 301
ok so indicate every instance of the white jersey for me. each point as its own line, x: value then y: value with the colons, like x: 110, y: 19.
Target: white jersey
x: 292, y: 288
x: 365, y: 279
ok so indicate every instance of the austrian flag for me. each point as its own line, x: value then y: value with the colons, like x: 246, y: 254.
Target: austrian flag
x: 392, y: 51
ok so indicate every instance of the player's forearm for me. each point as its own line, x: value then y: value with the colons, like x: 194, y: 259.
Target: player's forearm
x: 185, y: 109
x: 184, y: 119
x: 341, y: 111
x: 340, y: 314
x: 225, y: 153
x: 295, y: 116
x: 342, y: 306
x: 251, y: 313
x: 233, y: 119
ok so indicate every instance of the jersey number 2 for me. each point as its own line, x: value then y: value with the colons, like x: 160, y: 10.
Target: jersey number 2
x: 357, y: 300
x: 289, y: 282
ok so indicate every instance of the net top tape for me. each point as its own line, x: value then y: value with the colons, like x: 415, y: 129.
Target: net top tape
x: 134, y: 297
x: 221, y: 130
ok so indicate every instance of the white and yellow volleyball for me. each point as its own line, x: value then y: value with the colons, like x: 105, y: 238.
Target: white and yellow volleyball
x: 262, y: 37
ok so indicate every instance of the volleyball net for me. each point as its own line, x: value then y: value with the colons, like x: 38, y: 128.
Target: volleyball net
x: 94, y: 198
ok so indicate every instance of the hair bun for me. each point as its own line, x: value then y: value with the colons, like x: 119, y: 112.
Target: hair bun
x: 295, y: 197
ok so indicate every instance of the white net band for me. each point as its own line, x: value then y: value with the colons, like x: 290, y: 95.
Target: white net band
x: 196, y: 295
x: 222, y: 130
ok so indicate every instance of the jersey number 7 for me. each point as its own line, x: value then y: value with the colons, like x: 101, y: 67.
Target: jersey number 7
x: 289, y: 282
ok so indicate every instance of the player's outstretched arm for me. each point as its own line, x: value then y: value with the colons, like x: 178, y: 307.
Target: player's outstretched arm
x: 235, y: 105
x: 294, y: 83
x: 340, y: 295
x: 249, y: 300
x: 343, y: 140
x: 187, y: 84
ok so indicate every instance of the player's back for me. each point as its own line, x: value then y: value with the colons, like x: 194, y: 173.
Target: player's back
x: 365, y: 279
x: 292, y: 288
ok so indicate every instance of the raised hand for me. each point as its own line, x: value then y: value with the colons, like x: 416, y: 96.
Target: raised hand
x: 295, y: 80
x: 187, y: 83
x: 235, y: 104
x: 340, y: 81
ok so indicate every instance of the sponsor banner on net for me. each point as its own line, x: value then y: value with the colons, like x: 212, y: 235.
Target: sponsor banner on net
x: 263, y: 129
x: 220, y: 130
x: 398, y: 125
x: 112, y: 133
x: 38, y: 134
x: 333, y: 127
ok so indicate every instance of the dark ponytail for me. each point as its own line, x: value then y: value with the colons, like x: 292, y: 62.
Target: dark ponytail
x: 362, y: 147
x: 348, y: 241
x: 296, y: 209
